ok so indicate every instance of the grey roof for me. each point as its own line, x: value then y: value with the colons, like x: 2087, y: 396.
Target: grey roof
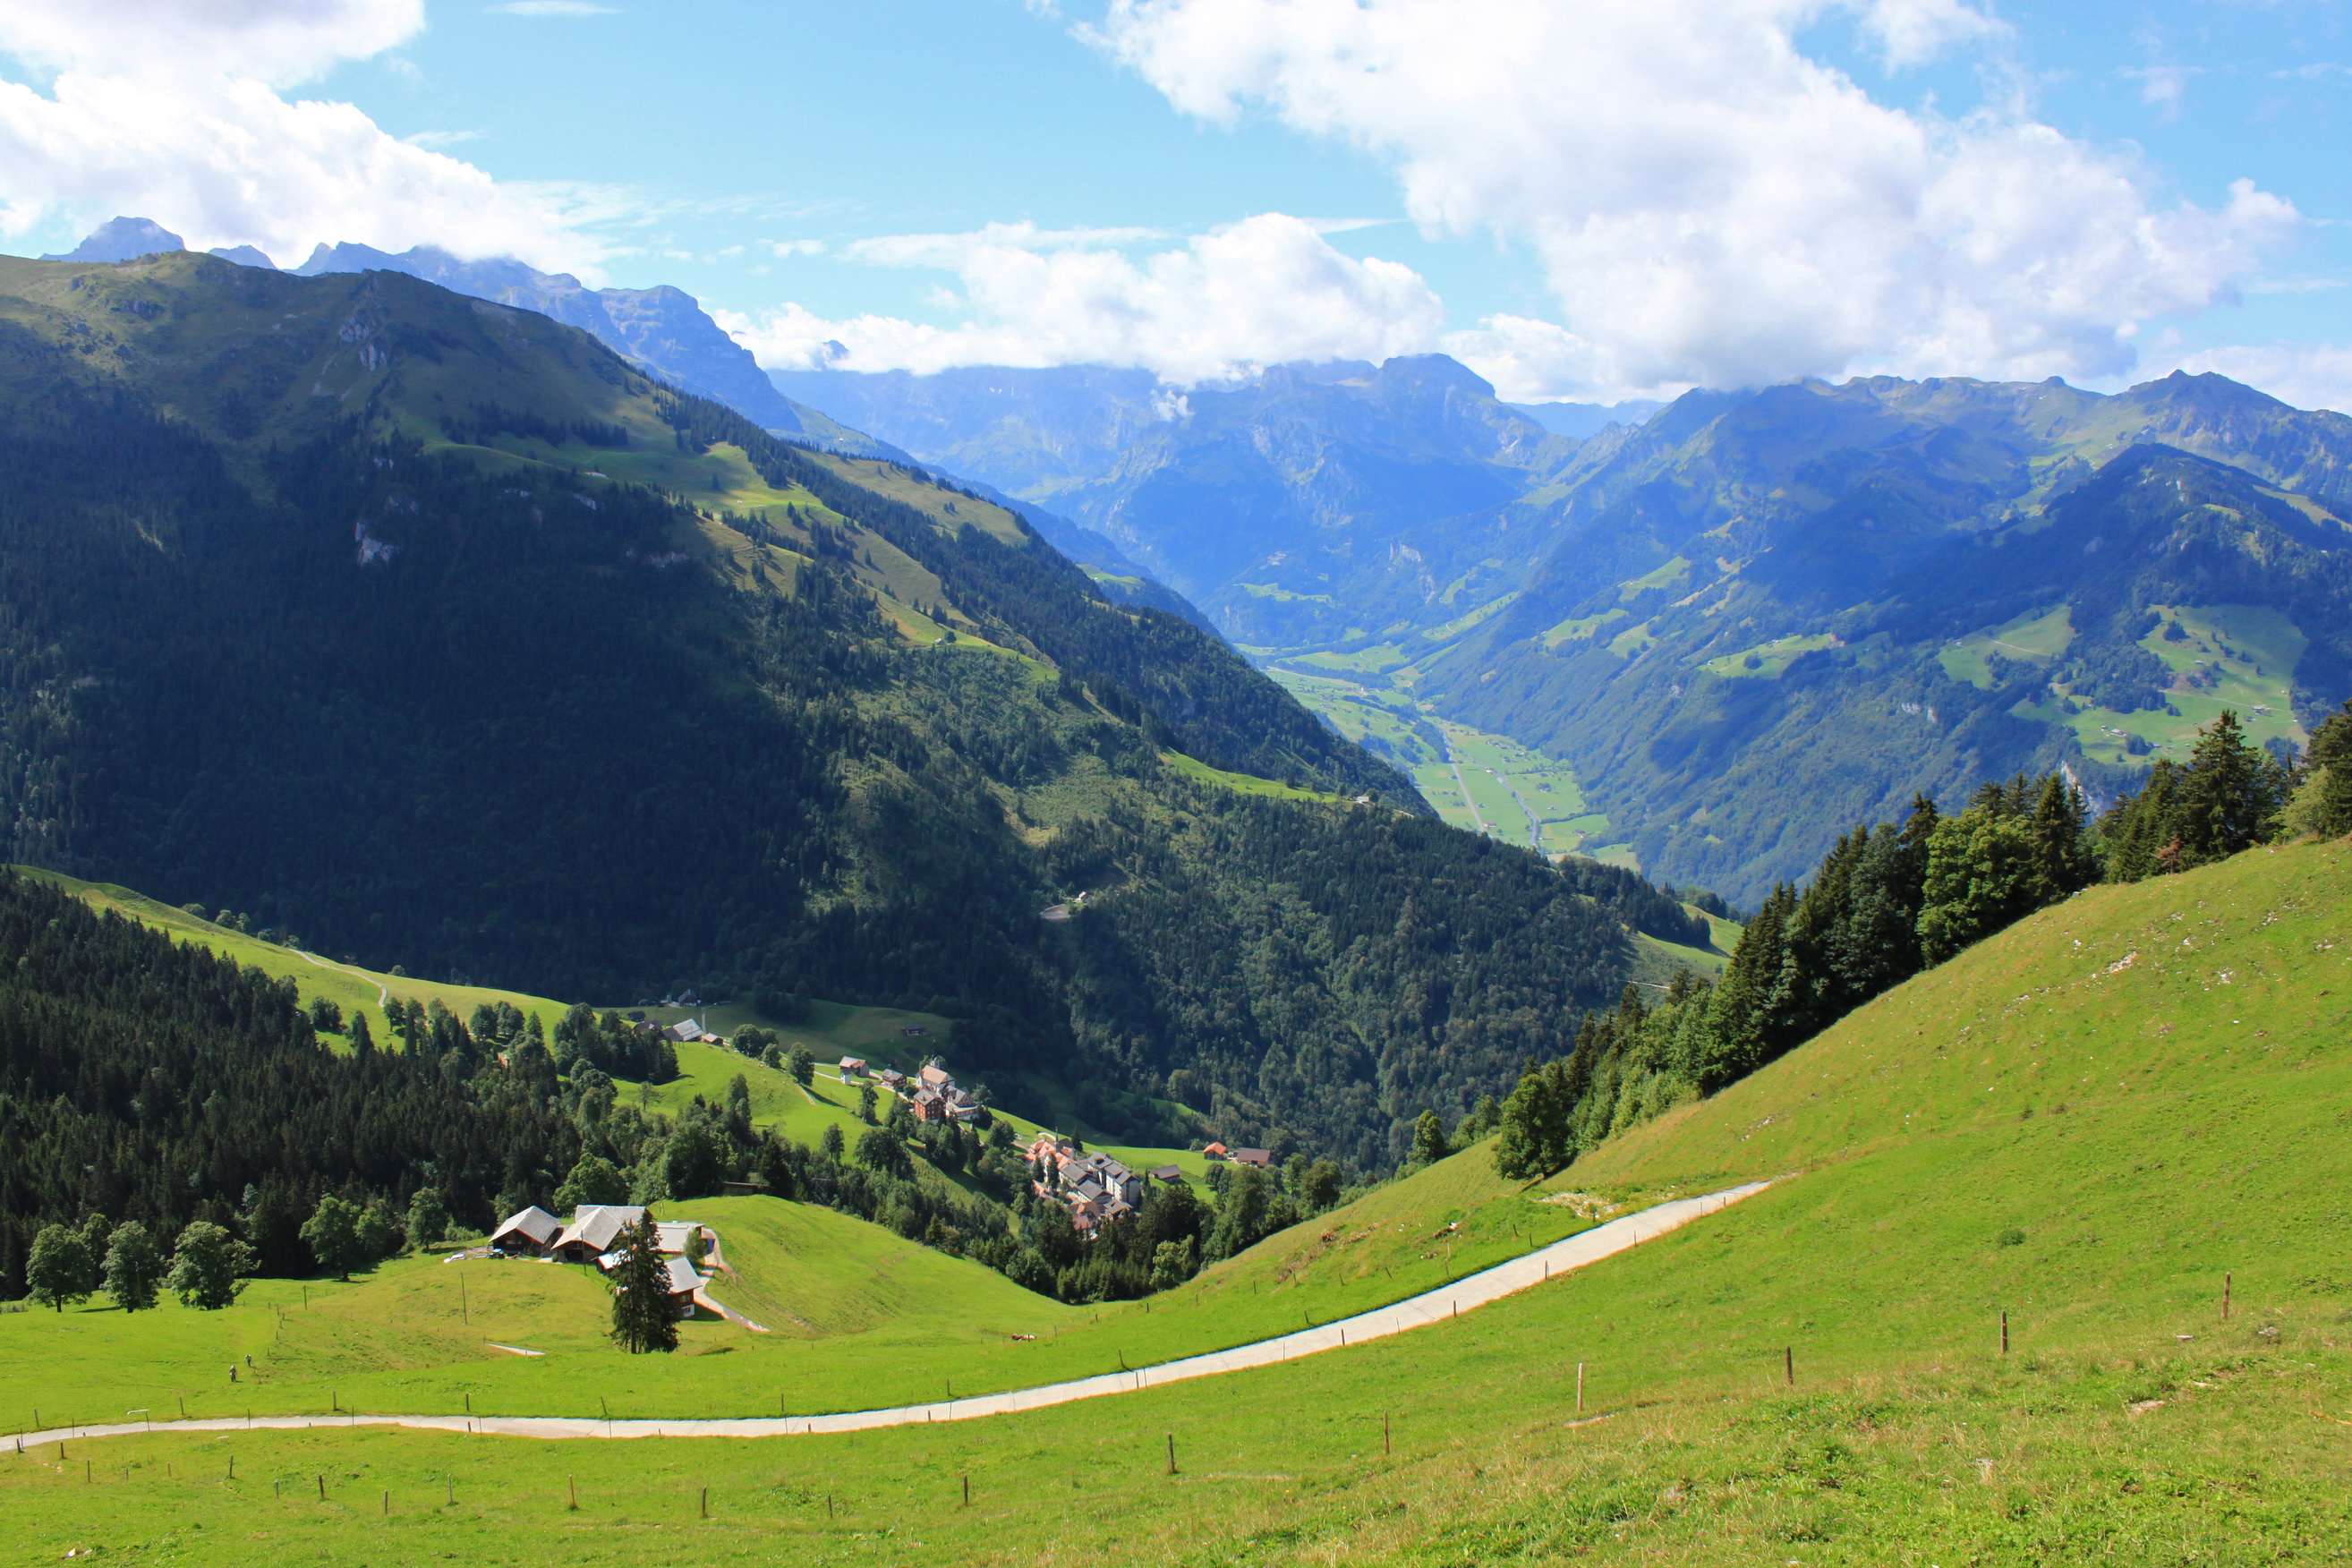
x: 599, y: 1225
x: 533, y: 1222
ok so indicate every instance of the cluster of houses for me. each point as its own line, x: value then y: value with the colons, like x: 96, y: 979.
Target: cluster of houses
x: 685, y: 1029
x: 593, y: 1236
x: 1259, y: 1157
x: 930, y: 1093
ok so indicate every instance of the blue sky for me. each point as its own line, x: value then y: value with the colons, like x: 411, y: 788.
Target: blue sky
x: 773, y: 159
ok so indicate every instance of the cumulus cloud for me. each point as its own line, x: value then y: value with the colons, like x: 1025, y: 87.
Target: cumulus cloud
x: 1712, y: 205
x: 178, y: 111
x: 1266, y: 289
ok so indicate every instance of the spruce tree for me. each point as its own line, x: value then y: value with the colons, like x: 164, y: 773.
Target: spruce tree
x: 645, y: 1317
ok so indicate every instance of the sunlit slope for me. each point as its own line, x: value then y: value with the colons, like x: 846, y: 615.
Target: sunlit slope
x: 2182, y: 987
x: 2085, y: 1140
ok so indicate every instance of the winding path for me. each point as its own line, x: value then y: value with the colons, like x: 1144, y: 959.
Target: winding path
x: 1431, y: 1307
x: 382, y: 996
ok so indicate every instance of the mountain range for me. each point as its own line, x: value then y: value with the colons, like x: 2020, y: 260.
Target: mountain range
x: 1744, y: 622
x: 431, y: 631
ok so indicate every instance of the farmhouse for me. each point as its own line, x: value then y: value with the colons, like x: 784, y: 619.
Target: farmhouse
x: 1258, y: 1157
x: 853, y: 1069
x: 594, y: 1229
x: 528, y: 1233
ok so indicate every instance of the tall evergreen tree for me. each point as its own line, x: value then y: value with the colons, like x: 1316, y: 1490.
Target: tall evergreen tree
x: 645, y: 1317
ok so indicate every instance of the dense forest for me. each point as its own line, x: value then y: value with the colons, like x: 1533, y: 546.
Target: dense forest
x: 145, y: 1081
x: 1890, y: 900
x: 154, y: 1090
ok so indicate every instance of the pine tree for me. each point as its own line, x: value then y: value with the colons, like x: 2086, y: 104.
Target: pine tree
x: 645, y: 1317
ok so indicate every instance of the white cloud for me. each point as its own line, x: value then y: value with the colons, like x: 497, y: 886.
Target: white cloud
x: 276, y: 41
x: 1710, y: 204
x: 1262, y: 291
x: 788, y: 248
x: 2309, y: 375
x: 178, y: 110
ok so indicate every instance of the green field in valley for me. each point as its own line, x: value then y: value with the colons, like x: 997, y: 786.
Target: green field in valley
x: 2088, y: 1123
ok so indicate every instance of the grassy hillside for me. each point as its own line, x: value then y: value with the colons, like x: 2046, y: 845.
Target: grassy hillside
x: 2128, y: 1422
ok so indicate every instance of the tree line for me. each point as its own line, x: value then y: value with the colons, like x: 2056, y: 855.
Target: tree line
x: 1892, y: 900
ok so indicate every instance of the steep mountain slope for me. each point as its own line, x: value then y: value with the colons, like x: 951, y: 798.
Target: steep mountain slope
x: 1769, y: 619
x: 382, y: 614
x: 1739, y: 625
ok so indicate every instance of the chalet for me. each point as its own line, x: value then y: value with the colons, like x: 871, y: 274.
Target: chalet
x: 594, y: 1229
x: 686, y: 1029
x: 1167, y: 1175
x: 853, y: 1069
x: 929, y: 1105
x: 893, y: 1079
x: 1258, y: 1157
x: 1214, y: 1151
x: 934, y: 1075
x: 528, y: 1233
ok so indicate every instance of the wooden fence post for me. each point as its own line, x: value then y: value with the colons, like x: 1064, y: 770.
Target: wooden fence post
x: 1172, y: 1453
x: 1579, y: 1388
x: 1788, y: 1357
x: 1384, y: 1432
x: 2004, y: 1331
x: 2225, y: 1298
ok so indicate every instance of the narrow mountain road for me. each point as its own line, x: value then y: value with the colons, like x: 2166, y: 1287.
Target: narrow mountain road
x: 1431, y: 1307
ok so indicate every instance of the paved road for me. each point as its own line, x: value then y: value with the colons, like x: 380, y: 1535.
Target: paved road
x: 1436, y: 1306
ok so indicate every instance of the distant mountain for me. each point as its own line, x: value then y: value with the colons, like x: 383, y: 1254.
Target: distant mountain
x: 122, y: 239
x: 436, y: 631
x: 662, y: 329
x: 1745, y: 620
x: 1765, y: 617
x: 1320, y: 500
x: 1580, y: 420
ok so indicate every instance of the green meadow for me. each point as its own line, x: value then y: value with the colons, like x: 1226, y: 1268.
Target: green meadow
x: 2092, y: 1123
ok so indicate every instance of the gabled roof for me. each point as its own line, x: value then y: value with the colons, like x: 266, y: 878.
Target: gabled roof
x: 599, y: 1225
x: 533, y: 1222
x: 1252, y: 1156
x: 935, y: 1077
x: 1166, y: 1173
